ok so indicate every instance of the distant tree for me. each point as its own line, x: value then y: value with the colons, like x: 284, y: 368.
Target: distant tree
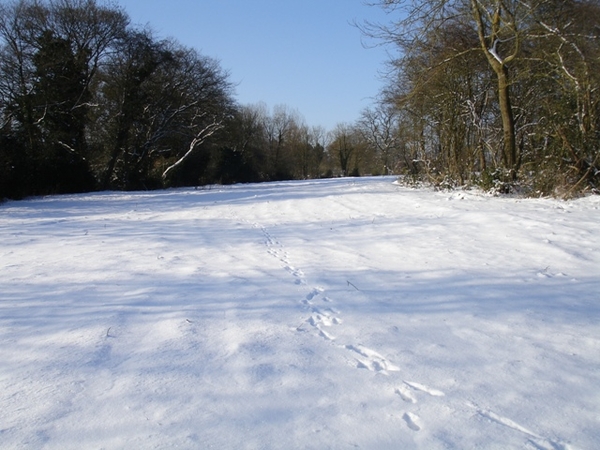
x: 278, y: 129
x: 162, y: 101
x: 125, y: 91
x: 50, y: 53
x: 378, y: 126
x: 272, y: 145
x: 317, y: 143
x: 60, y: 93
x: 348, y: 147
x: 242, y: 157
x: 204, y: 102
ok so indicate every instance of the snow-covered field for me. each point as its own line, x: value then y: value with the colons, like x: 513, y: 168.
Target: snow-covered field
x: 347, y: 313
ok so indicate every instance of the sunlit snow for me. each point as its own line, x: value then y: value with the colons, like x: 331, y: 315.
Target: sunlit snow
x: 347, y: 313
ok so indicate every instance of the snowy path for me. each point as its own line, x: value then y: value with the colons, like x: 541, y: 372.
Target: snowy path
x: 323, y: 314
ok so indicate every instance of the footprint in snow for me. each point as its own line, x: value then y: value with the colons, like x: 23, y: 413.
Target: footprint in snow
x: 423, y: 388
x: 536, y: 440
x: 324, y: 317
x: 324, y: 334
x: 318, y: 319
x: 373, y: 362
x: 412, y: 421
x: 293, y: 271
x: 313, y: 293
x: 405, y: 394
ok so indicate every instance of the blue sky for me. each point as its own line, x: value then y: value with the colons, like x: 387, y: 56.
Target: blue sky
x: 301, y: 53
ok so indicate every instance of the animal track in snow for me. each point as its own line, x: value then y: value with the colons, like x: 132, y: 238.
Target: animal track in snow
x: 374, y: 362
x: 536, y: 440
x: 314, y: 293
x: 506, y: 422
x: 296, y: 273
x: 321, y: 317
x: 276, y: 249
x: 405, y: 392
x: 412, y: 421
x: 406, y: 395
x: 325, y: 334
x: 423, y: 388
x: 318, y: 318
x: 324, y: 317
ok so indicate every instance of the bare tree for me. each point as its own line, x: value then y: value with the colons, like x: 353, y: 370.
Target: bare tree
x: 163, y: 102
x: 490, y: 84
x: 348, y: 148
x: 569, y: 45
x: 379, y: 128
x: 500, y: 26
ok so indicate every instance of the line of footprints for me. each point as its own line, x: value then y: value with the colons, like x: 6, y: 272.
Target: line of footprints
x: 326, y: 316
x: 365, y: 357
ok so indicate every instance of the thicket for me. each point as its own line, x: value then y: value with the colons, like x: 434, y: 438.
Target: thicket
x: 504, y: 94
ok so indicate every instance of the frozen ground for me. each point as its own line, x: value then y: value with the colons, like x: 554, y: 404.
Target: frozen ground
x: 348, y: 313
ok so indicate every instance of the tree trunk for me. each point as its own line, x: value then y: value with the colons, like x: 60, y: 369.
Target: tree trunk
x: 489, y: 38
x: 508, y: 121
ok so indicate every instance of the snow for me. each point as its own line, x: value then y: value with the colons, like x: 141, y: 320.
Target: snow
x: 346, y: 313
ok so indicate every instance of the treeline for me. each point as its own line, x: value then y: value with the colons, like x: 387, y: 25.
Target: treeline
x: 499, y: 93
x: 88, y: 101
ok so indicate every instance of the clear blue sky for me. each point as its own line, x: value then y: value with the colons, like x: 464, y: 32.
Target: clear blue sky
x: 301, y: 53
